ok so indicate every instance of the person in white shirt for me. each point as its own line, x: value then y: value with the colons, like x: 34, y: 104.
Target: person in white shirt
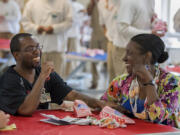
x: 10, y: 16
x: 49, y: 20
x: 177, y: 21
x: 107, y: 11
x: 86, y: 32
x: 107, y: 19
x: 98, y: 39
x: 73, y: 35
x: 132, y: 18
x: 20, y: 3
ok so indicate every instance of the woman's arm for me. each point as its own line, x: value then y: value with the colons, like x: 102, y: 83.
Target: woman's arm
x: 167, y: 104
x: 113, y: 94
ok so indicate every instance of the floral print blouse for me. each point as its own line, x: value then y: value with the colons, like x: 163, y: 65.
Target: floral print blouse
x: 164, y: 111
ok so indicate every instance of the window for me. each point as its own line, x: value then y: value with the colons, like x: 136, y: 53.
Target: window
x: 174, y: 6
x: 158, y: 8
x: 166, y: 10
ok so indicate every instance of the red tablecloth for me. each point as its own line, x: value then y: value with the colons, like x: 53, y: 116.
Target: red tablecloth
x: 173, y: 69
x: 4, y: 44
x: 32, y: 126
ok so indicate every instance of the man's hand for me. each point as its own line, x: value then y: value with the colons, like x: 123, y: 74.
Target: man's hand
x: 46, y: 69
x: 49, y: 30
x: 40, y: 29
x: 4, y: 119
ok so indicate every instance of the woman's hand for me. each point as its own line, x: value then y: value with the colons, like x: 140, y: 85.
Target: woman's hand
x: 114, y: 106
x: 4, y: 119
x: 143, y: 73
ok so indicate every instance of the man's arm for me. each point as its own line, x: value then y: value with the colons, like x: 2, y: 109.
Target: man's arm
x: 32, y: 100
x: 125, y: 16
x: 130, y: 31
x: 92, y: 102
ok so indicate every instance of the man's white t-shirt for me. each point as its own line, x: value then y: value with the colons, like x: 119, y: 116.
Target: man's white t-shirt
x: 77, y: 8
x: 133, y: 17
x: 12, y: 14
x: 107, y: 17
x: 20, y: 3
x: 55, y: 13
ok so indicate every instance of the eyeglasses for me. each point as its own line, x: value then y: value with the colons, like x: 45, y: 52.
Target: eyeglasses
x: 33, y: 48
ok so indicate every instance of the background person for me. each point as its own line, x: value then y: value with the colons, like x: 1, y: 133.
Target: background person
x: 49, y: 20
x: 10, y: 16
x: 98, y: 39
x: 74, y: 35
x: 108, y: 19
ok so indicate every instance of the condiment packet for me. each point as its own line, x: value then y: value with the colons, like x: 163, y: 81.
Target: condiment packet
x: 110, y: 123
x: 106, y: 123
x: 50, y: 116
x: 81, y: 109
x: 94, y: 121
x: 114, y: 114
x: 77, y: 121
x: 65, y: 121
x: 9, y: 127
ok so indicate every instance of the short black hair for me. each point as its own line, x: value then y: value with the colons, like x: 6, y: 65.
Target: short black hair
x: 154, y: 44
x: 15, y: 44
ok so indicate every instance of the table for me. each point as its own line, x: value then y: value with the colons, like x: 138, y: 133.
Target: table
x: 4, y: 44
x: 32, y: 126
x: 174, y: 69
x: 83, y: 58
x: 8, y: 60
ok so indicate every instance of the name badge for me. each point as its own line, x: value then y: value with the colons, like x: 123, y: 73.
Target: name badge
x: 54, y: 15
x: 44, y: 97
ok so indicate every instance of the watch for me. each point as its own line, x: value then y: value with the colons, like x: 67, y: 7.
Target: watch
x: 152, y: 82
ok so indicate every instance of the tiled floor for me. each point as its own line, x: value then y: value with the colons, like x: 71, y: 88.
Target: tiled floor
x: 81, y: 81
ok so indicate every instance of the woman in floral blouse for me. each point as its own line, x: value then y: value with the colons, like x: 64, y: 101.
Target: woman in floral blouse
x: 147, y: 91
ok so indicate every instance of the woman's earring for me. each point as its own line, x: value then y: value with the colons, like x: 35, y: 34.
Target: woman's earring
x: 147, y: 67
